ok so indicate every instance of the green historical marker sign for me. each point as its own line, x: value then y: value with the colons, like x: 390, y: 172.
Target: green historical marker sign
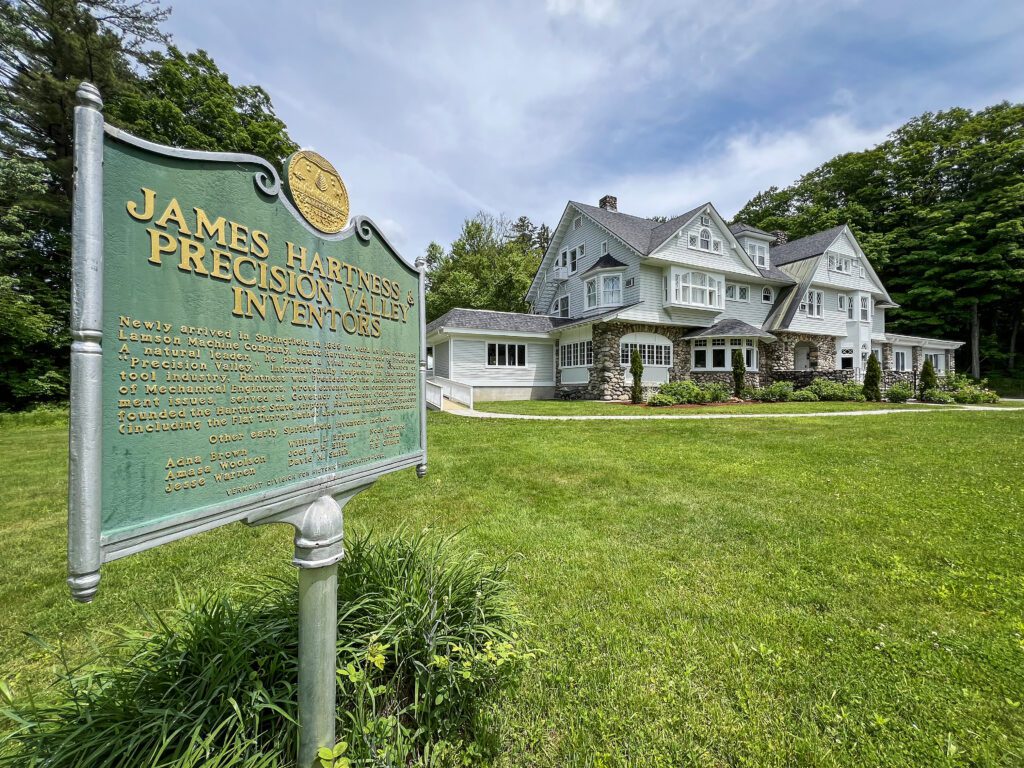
x: 254, y: 352
x: 237, y: 354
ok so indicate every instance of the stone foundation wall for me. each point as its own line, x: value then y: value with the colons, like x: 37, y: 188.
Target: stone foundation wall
x: 751, y: 379
x: 801, y: 379
x: 780, y: 355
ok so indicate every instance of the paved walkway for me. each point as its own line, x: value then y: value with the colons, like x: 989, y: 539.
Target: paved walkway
x: 460, y: 410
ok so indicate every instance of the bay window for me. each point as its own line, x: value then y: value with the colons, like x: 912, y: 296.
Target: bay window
x: 697, y: 289
x: 721, y: 354
x: 604, y: 291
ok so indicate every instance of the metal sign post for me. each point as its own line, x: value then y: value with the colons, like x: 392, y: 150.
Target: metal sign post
x: 238, y: 354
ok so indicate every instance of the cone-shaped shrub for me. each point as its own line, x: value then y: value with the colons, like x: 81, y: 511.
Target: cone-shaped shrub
x: 873, y: 380
x: 928, y: 378
x: 636, y: 369
x: 739, y: 372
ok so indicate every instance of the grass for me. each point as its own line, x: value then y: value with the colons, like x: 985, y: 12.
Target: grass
x: 599, y: 408
x: 813, y: 592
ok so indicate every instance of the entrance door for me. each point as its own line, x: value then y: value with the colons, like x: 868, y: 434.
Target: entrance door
x: 802, y: 356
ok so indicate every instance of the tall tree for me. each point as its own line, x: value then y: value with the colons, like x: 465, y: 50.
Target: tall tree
x: 489, y: 266
x: 48, y: 47
x: 939, y: 207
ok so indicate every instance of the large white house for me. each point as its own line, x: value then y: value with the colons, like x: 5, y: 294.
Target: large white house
x: 686, y: 293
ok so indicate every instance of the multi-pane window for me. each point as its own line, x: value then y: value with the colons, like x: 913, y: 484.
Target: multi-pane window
x: 604, y: 291
x: 697, y: 289
x: 758, y: 254
x: 506, y: 355
x: 842, y: 264
x: 937, y: 359
x: 865, y: 309
x: 813, y: 304
x: 705, y: 239
x: 576, y: 353
x: 650, y: 354
x: 841, y: 302
x: 721, y: 353
x: 900, y: 360
x: 767, y: 295
x: 562, y: 306
x: 737, y: 292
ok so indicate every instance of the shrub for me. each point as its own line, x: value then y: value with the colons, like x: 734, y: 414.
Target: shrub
x: 936, y: 396
x: 899, y: 392
x: 803, y: 396
x: 836, y: 391
x: 636, y: 369
x: 739, y: 372
x: 716, y: 392
x: 928, y: 378
x: 424, y: 635
x: 872, y: 380
x: 659, y: 400
x: 966, y: 391
x: 779, y: 392
x: 685, y: 391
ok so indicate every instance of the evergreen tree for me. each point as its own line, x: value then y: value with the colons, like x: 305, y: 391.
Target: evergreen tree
x: 873, y: 380
x: 939, y: 208
x: 636, y: 370
x: 928, y: 378
x: 488, y: 266
x: 739, y: 372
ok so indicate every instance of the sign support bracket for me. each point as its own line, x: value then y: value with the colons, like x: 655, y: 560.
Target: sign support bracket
x: 319, y: 547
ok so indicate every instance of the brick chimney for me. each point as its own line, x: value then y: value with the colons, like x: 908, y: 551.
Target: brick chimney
x: 781, y: 238
x: 609, y: 203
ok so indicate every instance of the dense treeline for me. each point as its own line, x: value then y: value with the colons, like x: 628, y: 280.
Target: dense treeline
x: 939, y: 208
x: 490, y: 265
x: 151, y: 88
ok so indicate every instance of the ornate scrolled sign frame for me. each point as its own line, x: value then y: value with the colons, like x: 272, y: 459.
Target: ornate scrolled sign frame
x: 88, y: 544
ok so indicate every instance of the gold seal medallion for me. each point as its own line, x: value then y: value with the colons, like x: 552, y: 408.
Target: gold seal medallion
x: 317, y: 191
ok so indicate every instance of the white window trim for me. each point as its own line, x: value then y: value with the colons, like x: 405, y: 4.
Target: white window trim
x: 645, y: 347
x: 604, y: 247
x: 569, y: 352
x: 728, y: 344
x: 813, y: 304
x: 681, y: 283
x: 600, y: 290
x: 737, y: 288
x: 771, y: 295
x: 487, y: 354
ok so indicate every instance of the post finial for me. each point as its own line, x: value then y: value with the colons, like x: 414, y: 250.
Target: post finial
x: 89, y: 96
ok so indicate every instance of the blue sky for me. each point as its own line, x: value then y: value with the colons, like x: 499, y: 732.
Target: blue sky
x: 432, y: 111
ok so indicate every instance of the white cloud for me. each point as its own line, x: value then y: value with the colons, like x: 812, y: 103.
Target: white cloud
x: 730, y: 171
x: 432, y: 111
x: 594, y: 11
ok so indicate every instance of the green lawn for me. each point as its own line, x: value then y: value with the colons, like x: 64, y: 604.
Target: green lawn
x: 599, y: 408
x: 812, y: 592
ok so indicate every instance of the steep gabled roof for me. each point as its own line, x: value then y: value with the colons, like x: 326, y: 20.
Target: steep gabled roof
x: 634, y: 231
x: 805, y: 247
x: 663, y: 232
x: 487, y: 320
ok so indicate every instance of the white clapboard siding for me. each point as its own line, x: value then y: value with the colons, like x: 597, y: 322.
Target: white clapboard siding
x: 843, y: 246
x: 832, y: 322
x: 469, y: 363
x: 591, y: 236
x: 441, y: 353
x: 727, y: 260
